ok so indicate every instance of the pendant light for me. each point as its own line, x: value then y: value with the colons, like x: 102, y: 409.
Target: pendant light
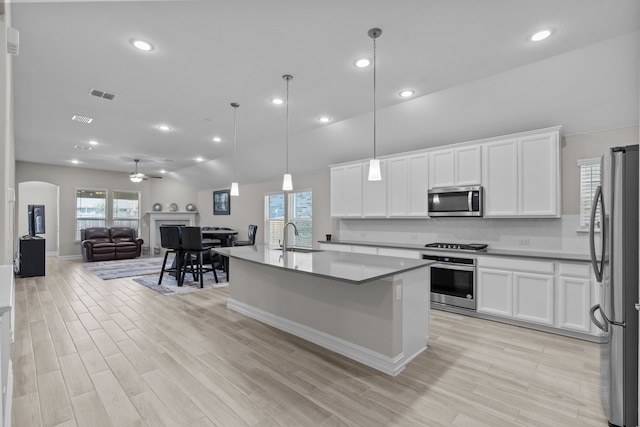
x: 374, y: 164
x: 287, y: 184
x: 235, y: 191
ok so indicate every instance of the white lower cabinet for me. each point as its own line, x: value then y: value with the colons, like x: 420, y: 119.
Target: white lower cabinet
x: 371, y: 250
x: 533, y: 298
x: 519, y: 289
x: 494, y: 289
x: 574, y: 296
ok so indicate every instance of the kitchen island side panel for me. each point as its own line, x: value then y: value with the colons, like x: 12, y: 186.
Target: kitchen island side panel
x: 366, y: 315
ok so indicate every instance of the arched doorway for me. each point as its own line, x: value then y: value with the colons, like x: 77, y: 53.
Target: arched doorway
x: 40, y: 193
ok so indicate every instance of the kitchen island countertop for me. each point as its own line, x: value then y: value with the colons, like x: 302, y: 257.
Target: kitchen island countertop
x: 348, y: 267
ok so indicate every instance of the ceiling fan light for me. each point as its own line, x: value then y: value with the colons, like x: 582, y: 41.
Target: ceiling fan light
x: 135, y: 178
x: 287, y: 183
x: 235, y: 191
x: 374, y: 170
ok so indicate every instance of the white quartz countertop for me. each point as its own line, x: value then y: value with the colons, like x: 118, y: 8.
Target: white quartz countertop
x: 348, y: 267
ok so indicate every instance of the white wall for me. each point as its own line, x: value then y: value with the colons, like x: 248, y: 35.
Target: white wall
x: 40, y: 193
x: 248, y: 208
x: 70, y: 178
x: 7, y: 149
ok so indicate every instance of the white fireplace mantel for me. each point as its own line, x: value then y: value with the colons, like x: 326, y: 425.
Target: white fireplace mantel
x: 159, y: 217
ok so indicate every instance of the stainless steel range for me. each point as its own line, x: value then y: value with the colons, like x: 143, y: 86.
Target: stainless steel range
x: 453, y: 277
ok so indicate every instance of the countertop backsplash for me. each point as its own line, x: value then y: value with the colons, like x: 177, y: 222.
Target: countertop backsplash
x: 543, y: 234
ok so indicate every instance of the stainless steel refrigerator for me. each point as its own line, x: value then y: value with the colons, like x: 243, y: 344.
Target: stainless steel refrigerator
x: 614, y: 256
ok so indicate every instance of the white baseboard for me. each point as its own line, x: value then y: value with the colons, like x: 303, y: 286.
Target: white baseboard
x: 70, y: 257
x: 388, y: 365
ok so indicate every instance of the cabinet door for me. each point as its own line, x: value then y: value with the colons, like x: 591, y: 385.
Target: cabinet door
x: 374, y: 193
x: 533, y: 298
x: 337, y: 197
x: 441, y: 169
x: 398, y: 186
x: 418, y: 202
x: 494, y: 291
x: 574, y: 302
x: 467, y: 165
x: 538, y: 175
x: 500, y: 178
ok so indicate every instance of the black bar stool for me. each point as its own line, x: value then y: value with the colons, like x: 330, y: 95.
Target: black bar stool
x: 195, y: 248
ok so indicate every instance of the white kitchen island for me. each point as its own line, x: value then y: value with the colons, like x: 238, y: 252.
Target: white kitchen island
x: 370, y: 308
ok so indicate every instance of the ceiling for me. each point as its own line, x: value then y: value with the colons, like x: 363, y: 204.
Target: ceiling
x: 211, y: 53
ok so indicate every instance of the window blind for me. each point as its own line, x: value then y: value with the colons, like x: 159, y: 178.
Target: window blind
x: 589, y: 181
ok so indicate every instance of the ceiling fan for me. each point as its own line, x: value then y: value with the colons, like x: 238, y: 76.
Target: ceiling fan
x: 139, y: 176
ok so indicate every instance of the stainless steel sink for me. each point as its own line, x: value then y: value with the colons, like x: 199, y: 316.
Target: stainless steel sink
x: 301, y: 250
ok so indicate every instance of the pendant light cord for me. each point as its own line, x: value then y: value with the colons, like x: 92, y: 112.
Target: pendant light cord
x: 287, y: 77
x: 235, y: 140
x: 374, y: 98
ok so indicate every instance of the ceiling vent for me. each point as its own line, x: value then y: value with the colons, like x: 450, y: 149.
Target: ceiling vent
x: 102, y: 94
x: 81, y: 119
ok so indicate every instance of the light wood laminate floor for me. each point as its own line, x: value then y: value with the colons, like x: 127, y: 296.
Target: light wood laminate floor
x: 89, y: 352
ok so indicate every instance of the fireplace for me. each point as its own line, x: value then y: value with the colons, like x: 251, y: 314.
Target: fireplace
x: 156, y: 219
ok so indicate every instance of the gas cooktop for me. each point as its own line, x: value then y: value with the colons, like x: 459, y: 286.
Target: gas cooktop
x: 461, y: 246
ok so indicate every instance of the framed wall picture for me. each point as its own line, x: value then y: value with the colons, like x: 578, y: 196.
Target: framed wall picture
x: 221, y: 202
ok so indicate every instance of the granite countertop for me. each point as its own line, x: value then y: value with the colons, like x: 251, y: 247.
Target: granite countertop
x: 343, y: 266
x: 518, y: 253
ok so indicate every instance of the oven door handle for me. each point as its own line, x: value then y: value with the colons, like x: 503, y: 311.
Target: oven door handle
x: 469, y: 201
x: 454, y: 266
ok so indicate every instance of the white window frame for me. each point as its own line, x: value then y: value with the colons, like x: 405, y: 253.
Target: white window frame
x: 586, y: 192
x: 287, y: 217
x: 109, y: 216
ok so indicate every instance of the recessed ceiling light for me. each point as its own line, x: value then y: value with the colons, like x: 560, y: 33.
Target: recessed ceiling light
x: 407, y: 93
x: 82, y: 147
x: 164, y: 128
x: 92, y: 142
x: 217, y: 139
x: 199, y: 159
x: 142, y: 45
x: 324, y: 119
x: 163, y: 171
x: 75, y: 162
x: 540, y: 35
x: 277, y: 101
x: 362, y: 62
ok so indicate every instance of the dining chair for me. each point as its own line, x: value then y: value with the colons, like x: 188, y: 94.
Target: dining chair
x: 170, y: 239
x: 251, y: 233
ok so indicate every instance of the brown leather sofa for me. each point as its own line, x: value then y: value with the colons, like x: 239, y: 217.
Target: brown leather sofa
x: 105, y: 244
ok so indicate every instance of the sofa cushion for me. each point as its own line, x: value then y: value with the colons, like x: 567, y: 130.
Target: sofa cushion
x: 119, y: 234
x: 96, y: 234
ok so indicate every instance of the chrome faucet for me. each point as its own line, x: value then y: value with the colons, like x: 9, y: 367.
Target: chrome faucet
x: 284, y: 235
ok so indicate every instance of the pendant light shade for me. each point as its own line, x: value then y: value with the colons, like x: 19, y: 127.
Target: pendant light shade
x: 374, y: 170
x: 287, y: 183
x: 235, y: 191
x: 374, y: 164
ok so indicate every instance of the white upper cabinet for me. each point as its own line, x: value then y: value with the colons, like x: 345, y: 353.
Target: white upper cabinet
x: 521, y: 176
x: 374, y: 193
x: 539, y: 175
x: 455, y: 167
x: 346, y: 191
x: 407, y: 186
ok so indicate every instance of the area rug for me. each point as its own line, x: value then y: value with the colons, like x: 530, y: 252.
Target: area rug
x: 117, y: 269
x: 169, y: 285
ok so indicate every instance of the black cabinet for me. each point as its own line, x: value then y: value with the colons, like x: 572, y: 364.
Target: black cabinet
x: 32, y: 256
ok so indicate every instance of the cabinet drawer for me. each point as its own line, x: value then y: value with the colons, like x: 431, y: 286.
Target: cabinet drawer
x: 513, y: 264
x: 574, y: 270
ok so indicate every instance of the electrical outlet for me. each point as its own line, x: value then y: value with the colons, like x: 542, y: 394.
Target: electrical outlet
x: 524, y: 242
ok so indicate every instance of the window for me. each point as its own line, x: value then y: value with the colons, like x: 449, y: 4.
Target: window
x: 589, y: 181
x: 126, y: 211
x: 91, y: 209
x: 297, y: 209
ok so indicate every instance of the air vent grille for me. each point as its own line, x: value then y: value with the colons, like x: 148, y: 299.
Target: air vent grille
x: 102, y: 94
x: 81, y: 119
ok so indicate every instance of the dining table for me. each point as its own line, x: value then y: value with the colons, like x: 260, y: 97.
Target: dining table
x: 226, y: 236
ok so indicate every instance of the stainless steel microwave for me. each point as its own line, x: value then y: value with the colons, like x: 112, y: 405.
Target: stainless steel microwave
x: 456, y: 201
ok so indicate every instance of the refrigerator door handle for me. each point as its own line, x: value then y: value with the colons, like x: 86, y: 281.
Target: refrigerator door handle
x: 603, y: 326
x: 597, y: 198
